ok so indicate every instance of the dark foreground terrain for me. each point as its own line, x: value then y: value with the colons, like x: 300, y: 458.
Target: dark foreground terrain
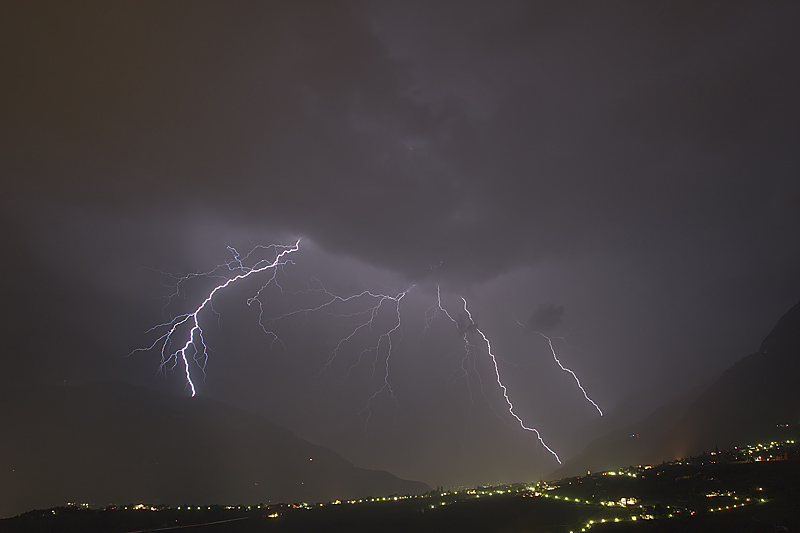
x: 749, y: 489
x: 108, y: 442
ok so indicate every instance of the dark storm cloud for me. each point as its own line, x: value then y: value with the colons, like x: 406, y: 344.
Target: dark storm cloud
x: 552, y: 128
x: 546, y: 317
x: 635, y: 162
x: 612, y: 125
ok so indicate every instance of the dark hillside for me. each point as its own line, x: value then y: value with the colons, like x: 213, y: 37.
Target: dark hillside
x: 755, y: 399
x: 751, y: 401
x: 107, y: 443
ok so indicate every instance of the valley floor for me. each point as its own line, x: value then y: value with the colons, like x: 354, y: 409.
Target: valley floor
x: 748, y: 489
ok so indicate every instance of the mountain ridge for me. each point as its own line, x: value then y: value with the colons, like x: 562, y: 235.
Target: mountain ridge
x: 115, y: 443
x: 752, y: 400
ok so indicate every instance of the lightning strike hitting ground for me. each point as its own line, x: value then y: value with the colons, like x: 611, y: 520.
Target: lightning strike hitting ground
x: 565, y: 369
x: 369, y: 305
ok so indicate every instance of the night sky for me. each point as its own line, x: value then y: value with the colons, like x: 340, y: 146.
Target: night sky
x: 625, y: 175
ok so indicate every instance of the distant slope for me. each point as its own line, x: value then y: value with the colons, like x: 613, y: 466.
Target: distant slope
x: 749, y: 400
x: 633, y: 444
x: 115, y: 443
x: 746, y: 404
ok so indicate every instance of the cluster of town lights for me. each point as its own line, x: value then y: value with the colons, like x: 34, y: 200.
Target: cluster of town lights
x: 547, y: 490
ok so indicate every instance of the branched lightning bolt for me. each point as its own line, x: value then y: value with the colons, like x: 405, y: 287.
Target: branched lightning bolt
x: 195, y: 341
x: 387, y: 386
x: 565, y: 369
x: 369, y: 314
x: 365, y: 321
x: 431, y: 314
x: 370, y: 305
x: 473, y: 327
x: 469, y: 349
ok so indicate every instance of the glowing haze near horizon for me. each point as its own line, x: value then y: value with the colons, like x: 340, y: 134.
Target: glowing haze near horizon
x: 620, y: 179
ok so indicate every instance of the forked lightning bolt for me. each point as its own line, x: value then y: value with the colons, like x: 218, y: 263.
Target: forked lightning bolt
x: 469, y: 349
x: 464, y: 329
x: 370, y: 305
x: 565, y: 369
x: 472, y: 326
x: 369, y: 314
x: 195, y: 341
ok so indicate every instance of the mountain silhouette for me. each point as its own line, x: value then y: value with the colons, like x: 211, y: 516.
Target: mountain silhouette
x: 115, y: 443
x: 755, y: 399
